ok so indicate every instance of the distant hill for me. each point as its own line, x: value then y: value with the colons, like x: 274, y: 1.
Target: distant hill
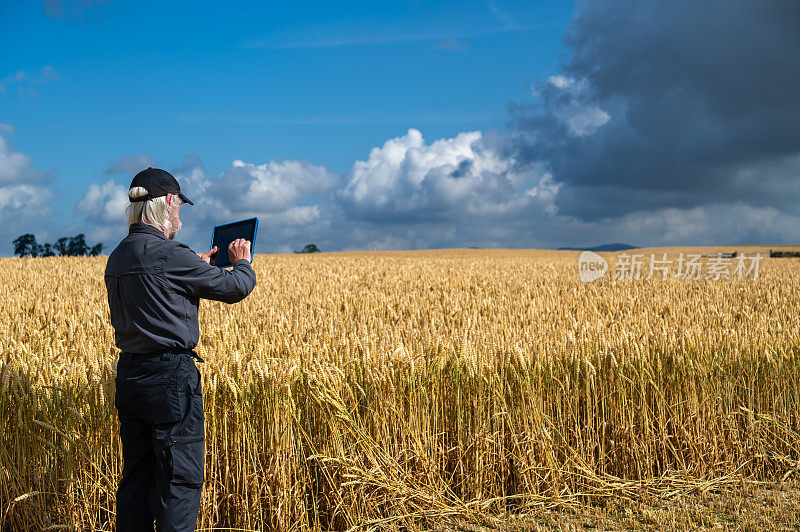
x: 603, y: 247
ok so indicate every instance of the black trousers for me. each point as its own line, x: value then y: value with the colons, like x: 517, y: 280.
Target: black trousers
x: 160, y: 406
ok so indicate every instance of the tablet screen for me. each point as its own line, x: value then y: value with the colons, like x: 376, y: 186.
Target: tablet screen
x: 224, y: 234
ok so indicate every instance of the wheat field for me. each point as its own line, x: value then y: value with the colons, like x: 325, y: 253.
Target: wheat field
x: 412, y: 390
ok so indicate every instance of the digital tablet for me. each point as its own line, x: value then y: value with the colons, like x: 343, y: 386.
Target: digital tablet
x: 224, y: 234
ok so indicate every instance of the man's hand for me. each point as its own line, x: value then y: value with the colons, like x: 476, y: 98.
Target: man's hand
x: 210, y: 256
x: 238, y: 250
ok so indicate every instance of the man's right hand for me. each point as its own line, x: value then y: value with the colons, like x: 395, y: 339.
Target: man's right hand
x: 238, y: 250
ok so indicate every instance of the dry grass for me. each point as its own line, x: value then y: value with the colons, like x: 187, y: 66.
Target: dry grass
x: 750, y: 506
x: 417, y: 390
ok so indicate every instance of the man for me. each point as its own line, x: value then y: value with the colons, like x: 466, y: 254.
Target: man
x: 154, y: 287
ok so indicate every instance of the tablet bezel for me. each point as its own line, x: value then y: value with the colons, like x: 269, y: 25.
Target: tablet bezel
x: 254, y: 221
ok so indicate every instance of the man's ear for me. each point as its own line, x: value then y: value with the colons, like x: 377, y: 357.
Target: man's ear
x: 169, y: 198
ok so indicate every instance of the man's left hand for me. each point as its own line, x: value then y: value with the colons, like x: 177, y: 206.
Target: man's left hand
x: 210, y: 255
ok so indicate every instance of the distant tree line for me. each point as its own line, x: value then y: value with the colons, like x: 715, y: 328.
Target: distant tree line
x: 309, y: 248
x: 67, y: 246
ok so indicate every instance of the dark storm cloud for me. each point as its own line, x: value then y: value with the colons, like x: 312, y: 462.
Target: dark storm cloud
x: 671, y: 104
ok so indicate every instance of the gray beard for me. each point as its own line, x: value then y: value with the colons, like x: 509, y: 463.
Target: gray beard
x: 175, y: 231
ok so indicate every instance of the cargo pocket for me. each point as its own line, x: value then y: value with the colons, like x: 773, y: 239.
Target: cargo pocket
x: 187, y: 463
x: 191, y: 427
x: 187, y: 451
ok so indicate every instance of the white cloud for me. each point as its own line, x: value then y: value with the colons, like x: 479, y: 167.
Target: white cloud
x: 22, y: 200
x: 271, y: 189
x: 561, y: 82
x: 15, y: 167
x: 570, y: 104
x: 282, y: 194
x: 104, y: 203
x: 291, y: 199
x: 720, y: 223
x: 450, y: 179
x: 24, y: 197
x: 298, y: 215
x: 584, y: 120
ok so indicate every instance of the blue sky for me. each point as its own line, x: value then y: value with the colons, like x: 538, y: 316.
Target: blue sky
x: 285, y: 103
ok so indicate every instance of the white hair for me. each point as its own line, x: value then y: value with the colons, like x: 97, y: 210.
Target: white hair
x: 154, y: 211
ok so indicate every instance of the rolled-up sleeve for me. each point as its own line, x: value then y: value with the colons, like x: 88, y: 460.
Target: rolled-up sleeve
x: 185, y: 270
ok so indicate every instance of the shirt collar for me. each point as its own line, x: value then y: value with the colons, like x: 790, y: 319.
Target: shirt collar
x: 139, y: 227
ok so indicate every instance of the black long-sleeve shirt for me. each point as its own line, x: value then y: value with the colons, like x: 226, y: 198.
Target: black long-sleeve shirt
x: 154, y: 288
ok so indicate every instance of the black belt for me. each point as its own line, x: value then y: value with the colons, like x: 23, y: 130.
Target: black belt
x: 190, y: 352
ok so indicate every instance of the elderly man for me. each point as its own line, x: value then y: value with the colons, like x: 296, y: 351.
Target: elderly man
x: 154, y: 288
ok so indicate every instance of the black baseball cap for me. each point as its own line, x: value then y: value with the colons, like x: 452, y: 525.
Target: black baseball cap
x: 158, y: 183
